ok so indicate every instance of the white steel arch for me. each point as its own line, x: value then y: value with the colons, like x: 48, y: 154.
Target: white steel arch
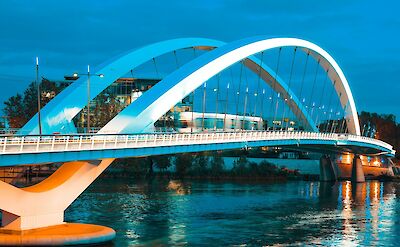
x: 140, y: 115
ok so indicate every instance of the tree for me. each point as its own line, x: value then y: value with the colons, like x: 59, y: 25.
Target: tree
x: 182, y: 164
x: 19, y: 109
x: 14, y: 110
x: 266, y: 168
x: 386, y: 128
x: 200, y: 164
x: 217, y: 165
x: 30, y: 102
x: 240, y: 166
x: 162, y: 162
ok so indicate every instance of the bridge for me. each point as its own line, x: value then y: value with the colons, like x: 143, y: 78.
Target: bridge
x: 315, y: 121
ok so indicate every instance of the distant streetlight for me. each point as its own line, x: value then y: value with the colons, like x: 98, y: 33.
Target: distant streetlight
x: 88, y: 94
x: 38, y: 95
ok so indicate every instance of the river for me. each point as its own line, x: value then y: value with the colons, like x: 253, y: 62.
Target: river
x: 193, y: 213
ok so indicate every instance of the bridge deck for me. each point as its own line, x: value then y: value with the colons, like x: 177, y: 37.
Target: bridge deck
x: 13, y: 149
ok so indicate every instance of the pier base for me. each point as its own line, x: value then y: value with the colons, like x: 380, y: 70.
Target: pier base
x: 357, y: 172
x: 35, y: 215
x: 59, y: 235
x: 327, y: 170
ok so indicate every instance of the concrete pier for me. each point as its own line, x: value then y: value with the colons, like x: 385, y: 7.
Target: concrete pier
x: 357, y: 172
x: 327, y: 169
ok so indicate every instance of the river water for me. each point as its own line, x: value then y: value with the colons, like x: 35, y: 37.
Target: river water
x: 196, y: 213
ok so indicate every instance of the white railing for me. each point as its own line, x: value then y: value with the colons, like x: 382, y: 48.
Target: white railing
x: 56, y: 143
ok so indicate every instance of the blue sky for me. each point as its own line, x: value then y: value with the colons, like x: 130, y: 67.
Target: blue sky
x: 363, y: 36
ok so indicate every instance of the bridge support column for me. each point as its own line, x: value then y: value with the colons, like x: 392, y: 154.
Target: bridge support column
x: 327, y: 171
x: 357, y: 172
x: 41, y: 208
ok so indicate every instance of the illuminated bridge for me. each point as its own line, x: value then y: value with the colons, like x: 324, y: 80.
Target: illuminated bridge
x: 255, y: 92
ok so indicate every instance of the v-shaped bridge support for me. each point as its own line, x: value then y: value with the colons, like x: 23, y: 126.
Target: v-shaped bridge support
x: 43, y: 204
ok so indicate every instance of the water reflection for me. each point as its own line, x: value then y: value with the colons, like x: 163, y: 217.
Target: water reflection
x: 167, y: 213
x: 179, y: 187
x: 363, y: 208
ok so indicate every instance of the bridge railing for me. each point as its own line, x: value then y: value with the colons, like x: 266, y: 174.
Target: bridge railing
x: 57, y: 143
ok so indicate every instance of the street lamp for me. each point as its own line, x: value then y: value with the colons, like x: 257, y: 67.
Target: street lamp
x: 88, y: 94
x: 38, y: 95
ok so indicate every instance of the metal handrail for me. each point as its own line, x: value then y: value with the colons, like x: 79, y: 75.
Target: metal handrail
x: 50, y: 143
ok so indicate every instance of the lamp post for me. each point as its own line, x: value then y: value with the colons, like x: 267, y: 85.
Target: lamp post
x: 88, y: 94
x: 38, y: 95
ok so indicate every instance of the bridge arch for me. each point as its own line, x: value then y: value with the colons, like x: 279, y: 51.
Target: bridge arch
x: 57, y: 115
x: 145, y: 111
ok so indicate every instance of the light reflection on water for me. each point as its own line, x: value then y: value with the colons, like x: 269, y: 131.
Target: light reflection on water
x: 206, y: 213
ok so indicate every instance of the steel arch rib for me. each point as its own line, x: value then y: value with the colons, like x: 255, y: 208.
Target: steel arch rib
x: 57, y: 115
x: 140, y: 115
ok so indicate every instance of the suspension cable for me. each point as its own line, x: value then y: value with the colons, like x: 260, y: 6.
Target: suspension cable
x: 193, y: 97
x: 344, y: 118
x: 227, y: 95
x: 299, y: 118
x: 320, y: 107
x: 288, y: 97
x: 330, y: 101
x: 155, y: 66
x: 238, y: 93
x: 335, y: 113
x: 313, y: 87
x: 262, y: 108
x: 177, y: 67
x: 274, y: 87
x: 245, y: 99
x: 176, y: 60
x: 204, y: 102
x: 258, y: 83
x: 216, y: 102
x: 347, y: 126
x: 226, y: 104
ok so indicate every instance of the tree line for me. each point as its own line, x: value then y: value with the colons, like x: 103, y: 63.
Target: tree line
x: 386, y: 127
x: 197, y: 165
